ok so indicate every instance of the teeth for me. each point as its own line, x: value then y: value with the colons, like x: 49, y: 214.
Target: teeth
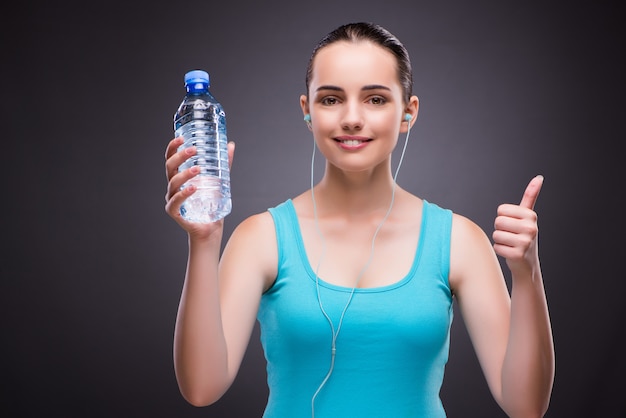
x: 351, y: 142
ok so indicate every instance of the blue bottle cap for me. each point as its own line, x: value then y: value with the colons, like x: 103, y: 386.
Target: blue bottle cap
x: 197, y: 76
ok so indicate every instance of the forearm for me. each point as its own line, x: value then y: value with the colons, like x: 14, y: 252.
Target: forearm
x: 200, y: 356
x: 528, y: 370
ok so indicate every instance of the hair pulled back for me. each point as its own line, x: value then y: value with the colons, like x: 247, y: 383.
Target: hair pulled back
x: 364, y: 31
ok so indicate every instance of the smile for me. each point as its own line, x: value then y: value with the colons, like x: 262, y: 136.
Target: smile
x: 352, y: 141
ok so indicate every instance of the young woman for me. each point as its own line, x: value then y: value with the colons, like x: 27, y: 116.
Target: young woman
x: 353, y: 281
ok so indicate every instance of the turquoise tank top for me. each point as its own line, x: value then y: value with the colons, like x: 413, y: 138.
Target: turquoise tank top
x: 393, y: 344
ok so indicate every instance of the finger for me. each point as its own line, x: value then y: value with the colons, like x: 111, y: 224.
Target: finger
x: 532, y: 191
x: 526, y: 226
x: 507, y: 239
x: 172, y: 147
x: 177, y: 181
x: 173, y: 163
x: 173, y: 204
x: 171, y: 150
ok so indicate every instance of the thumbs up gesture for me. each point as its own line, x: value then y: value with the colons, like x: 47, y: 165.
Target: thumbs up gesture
x: 515, y: 234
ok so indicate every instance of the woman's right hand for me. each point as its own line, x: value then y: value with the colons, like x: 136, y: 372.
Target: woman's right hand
x: 174, y: 196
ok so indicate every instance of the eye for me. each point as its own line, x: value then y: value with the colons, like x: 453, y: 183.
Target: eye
x: 377, y: 100
x: 329, y: 100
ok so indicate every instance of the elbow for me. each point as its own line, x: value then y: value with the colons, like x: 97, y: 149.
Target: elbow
x: 202, y: 389
x: 530, y: 399
x: 198, y: 402
x: 201, y: 398
x: 202, y: 392
x: 519, y: 406
x: 528, y: 411
x: 534, y: 414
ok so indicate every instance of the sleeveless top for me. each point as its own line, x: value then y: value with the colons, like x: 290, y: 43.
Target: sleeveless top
x: 393, y: 344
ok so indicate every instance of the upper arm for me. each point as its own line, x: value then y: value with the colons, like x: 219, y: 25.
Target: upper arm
x: 478, y: 284
x: 247, y: 267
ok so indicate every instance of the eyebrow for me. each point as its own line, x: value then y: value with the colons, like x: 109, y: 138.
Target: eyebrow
x: 368, y: 87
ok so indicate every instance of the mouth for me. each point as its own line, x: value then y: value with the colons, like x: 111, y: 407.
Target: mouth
x: 352, y: 141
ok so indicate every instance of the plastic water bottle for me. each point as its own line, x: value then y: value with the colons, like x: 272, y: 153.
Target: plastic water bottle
x: 201, y: 121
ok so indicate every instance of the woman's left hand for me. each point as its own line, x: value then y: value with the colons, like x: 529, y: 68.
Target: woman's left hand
x: 515, y: 235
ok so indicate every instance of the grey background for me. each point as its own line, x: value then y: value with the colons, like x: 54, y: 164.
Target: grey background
x: 92, y: 267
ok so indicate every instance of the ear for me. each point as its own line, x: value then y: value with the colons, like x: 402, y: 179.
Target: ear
x: 304, y: 104
x: 412, y: 108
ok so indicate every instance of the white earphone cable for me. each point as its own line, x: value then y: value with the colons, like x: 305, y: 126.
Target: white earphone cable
x: 335, y: 334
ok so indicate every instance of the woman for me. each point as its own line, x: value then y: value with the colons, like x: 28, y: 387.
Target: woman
x: 353, y: 281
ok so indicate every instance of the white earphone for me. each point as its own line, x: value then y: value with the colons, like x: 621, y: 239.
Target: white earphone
x: 335, y: 333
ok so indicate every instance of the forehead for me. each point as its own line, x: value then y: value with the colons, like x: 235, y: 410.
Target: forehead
x: 359, y: 62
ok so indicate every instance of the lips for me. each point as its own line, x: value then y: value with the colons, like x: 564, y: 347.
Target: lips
x: 352, y: 142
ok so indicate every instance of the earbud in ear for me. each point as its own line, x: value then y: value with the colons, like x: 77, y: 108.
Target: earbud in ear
x: 408, y: 117
x: 307, y: 120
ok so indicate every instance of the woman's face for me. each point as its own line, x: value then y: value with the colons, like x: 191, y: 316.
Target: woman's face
x: 356, y: 104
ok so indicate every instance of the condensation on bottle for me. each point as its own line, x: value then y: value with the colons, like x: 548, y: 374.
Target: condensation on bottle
x: 201, y: 121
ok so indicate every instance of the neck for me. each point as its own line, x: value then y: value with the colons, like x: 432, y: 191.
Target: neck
x: 364, y: 192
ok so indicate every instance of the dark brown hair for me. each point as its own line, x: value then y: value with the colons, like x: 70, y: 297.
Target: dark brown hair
x: 363, y: 31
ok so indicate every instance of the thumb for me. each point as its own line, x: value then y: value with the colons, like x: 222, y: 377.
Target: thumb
x: 531, y: 192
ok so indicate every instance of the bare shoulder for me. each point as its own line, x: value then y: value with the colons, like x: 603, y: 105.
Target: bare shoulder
x: 465, y: 231
x: 256, y: 226
x: 254, y: 240
x: 471, y: 252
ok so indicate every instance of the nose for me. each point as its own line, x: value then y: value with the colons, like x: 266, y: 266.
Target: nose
x: 352, y: 118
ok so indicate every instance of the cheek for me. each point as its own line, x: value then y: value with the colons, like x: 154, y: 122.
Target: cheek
x: 386, y: 122
x: 324, y: 121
